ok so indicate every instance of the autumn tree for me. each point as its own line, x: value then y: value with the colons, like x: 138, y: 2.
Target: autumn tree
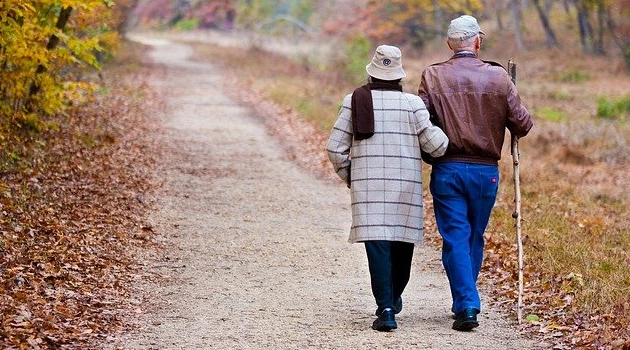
x: 270, y: 14
x: 43, y: 42
x: 152, y: 13
x: 411, y: 21
x: 599, y: 20
x: 214, y: 14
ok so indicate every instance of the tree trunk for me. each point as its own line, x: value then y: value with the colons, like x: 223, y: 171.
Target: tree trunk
x: 598, y: 47
x: 126, y: 15
x: 624, y: 46
x: 499, y: 21
x: 586, y: 31
x: 53, y: 41
x: 565, y: 5
x: 439, y: 21
x: 549, y: 34
x: 498, y: 9
x: 181, y: 6
x: 516, y: 14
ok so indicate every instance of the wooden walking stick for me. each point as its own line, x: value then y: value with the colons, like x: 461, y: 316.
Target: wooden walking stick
x: 517, y: 206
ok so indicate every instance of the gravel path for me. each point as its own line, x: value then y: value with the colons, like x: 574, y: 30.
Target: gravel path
x: 258, y: 257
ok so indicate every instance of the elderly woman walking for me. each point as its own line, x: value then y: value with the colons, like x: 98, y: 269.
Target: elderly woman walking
x: 375, y: 147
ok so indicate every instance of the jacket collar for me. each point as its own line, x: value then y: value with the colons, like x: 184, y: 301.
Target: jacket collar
x: 464, y: 53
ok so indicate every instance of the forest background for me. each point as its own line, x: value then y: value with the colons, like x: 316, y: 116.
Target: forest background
x: 72, y: 116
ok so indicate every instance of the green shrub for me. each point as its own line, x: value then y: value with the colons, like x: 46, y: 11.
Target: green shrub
x: 187, y: 25
x: 357, y: 51
x: 613, y: 109
x: 562, y: 96
x: 551, y: 114
x: 574, y: 76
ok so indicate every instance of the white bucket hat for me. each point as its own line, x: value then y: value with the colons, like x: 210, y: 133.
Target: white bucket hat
x: 386, y: 64
x: 463, y: 27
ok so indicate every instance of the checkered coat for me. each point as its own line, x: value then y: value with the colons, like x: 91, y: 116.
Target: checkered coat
x: 384, y: 172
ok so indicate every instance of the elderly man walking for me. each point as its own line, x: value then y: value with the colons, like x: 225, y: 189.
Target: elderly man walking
x: 375, y: 148
x: 473, y: 101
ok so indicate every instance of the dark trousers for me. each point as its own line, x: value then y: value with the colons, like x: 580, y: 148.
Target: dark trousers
x: 390, y: 267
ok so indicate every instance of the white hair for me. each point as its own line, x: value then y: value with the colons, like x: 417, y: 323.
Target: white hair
x: 462, y: 43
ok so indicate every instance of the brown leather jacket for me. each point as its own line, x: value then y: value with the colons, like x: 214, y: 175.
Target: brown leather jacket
x: 473, y: 102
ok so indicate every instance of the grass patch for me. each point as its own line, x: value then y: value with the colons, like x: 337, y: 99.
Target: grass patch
x: 304, y: 99
x: 587, y: 247
x: 187, y: 24
x: 561, y: 95
x: 573, y: 76
x: 576, y: 248
x: 551, y: 114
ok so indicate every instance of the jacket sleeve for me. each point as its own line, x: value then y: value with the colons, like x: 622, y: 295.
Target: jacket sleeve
x: 423, y: 91
x: 519, y: 121
x: 433, y: 140
x: 340, y: 142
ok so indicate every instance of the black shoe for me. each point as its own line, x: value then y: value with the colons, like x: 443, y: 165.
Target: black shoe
x: 385, y: 321
x: 466, y: 320
x: 397, y: 307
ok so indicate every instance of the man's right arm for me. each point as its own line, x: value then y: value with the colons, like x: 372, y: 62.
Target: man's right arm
x: 519, y: 119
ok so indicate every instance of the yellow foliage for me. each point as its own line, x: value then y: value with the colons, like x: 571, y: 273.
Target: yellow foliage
x: 41, y: 54
x: 463, y: 6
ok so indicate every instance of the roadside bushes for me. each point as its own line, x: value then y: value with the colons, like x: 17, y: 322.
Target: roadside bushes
x: 45, y: 48
x: 613, y: 109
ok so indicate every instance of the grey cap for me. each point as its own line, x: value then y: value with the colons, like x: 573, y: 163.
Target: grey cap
x: 463, y: 27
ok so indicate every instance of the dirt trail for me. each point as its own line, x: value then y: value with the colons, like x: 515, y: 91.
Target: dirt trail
x: 258, y: 257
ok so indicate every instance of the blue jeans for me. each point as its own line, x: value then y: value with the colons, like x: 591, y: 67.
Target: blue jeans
x: 390, y: 268
x: 463, y: 197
